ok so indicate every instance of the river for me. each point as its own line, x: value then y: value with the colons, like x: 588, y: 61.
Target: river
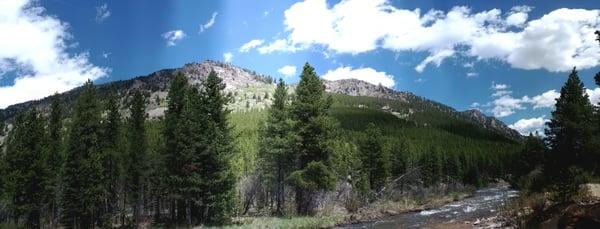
x: 483, y: 204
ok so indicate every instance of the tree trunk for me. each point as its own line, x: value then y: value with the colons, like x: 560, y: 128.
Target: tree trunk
x: 280, y: 190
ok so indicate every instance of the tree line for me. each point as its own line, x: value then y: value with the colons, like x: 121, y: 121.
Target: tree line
x: 95, y: 167
x: 101, y: 166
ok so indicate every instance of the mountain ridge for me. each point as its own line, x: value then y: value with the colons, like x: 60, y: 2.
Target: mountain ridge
x: 250, y: 89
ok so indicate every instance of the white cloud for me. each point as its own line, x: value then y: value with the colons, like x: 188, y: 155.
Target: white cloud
x: 173, y: 36
x: 472, y: 74
x: 365, y: 74
x: 436, y: 58
x: 209, y: 23
x: 545, y: 100
x: 278, y: 45
x: 557, y: 41
x: 526, y: 126
x: 34, y: 47
x: 288, y: 70
x: 496, y: 86
x: 501, y: 93
x: 251, y: 44
x: 518, y: 16
x: 507, y: 105
x: 228, y: 57
x: 594, y: 95
x: 102, y: 13
x: 106, y: 54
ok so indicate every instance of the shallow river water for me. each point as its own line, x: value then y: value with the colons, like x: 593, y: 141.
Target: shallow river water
x: 484, y: 203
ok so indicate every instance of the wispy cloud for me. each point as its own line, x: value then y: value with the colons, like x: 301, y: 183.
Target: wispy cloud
x: 102, y: 13
x: 209, y: 23
x: 173, y: 36
x: 251, y: 44
x: 227, y: 57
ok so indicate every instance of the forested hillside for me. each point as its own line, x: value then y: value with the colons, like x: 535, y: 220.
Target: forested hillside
x: 208, y: 143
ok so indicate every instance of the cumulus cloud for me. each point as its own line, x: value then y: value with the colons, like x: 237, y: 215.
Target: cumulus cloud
x: 288, y: 70
x: 209, y: 23
x: 251, y: 44
x: 594, y: 95
x: 173, y: 36
x: 102, y: 13
x: 365, y: 74
x: 227, y: 57
x: 472, y: 74
x: 544, y: 100
x: 532, y: 125
x: 506, y: 105
x: 33, y: 48
x: 557, y: 41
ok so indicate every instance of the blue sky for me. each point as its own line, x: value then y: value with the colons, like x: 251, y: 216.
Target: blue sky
x: 502, y: 57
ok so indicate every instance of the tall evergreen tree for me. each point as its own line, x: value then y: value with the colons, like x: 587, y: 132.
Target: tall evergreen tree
x: 137, y: 155
x: 27, y: 172
x: 112, y: 159
x: 217, y: 176
x: 569, y: 133
x: 314, y: 128
x: 82, y: 178
x: 375, y: 158
x: 173, y: 145
x: 54, y: 158
x: 276, y: 155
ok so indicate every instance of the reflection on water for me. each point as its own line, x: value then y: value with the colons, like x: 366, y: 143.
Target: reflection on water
x: 484, y: 203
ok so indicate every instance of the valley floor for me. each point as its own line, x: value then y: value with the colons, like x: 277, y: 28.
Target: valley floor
x: 372, y: 212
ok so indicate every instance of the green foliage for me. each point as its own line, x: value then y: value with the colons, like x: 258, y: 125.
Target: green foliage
x: 83, y: 169
x: 27, y: 174
x: 113, y: 157
x: 199, y: 152
x: 137, y: 154
x: 570, y: 133
x: 375, y: 158
x: 530, y: 157
x: 218, y: 177
x: 276, y: 158
x: 315, y: 176
x: 54, y: 157
x: 314, y: 128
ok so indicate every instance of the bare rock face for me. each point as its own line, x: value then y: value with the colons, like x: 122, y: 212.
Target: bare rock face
x: 491, y: 123
x: 234, y: 77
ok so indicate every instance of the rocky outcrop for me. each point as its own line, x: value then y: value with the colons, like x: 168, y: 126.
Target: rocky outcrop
x: 490, y: 123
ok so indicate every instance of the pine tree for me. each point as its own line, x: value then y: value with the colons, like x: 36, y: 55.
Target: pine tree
x: 137, y: 155
x: 27, y: 172
x: 82, y: 178
x: 375, y: 158
x: 216, y: 172
x: 275, y: 154
x: 569, y: 135
x: 314, y: 128
x: 54, y: 158
x: 173, y: 146
x: 112, y: 158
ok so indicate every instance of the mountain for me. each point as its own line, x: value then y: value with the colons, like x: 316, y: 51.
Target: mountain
x: 251, y: 90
